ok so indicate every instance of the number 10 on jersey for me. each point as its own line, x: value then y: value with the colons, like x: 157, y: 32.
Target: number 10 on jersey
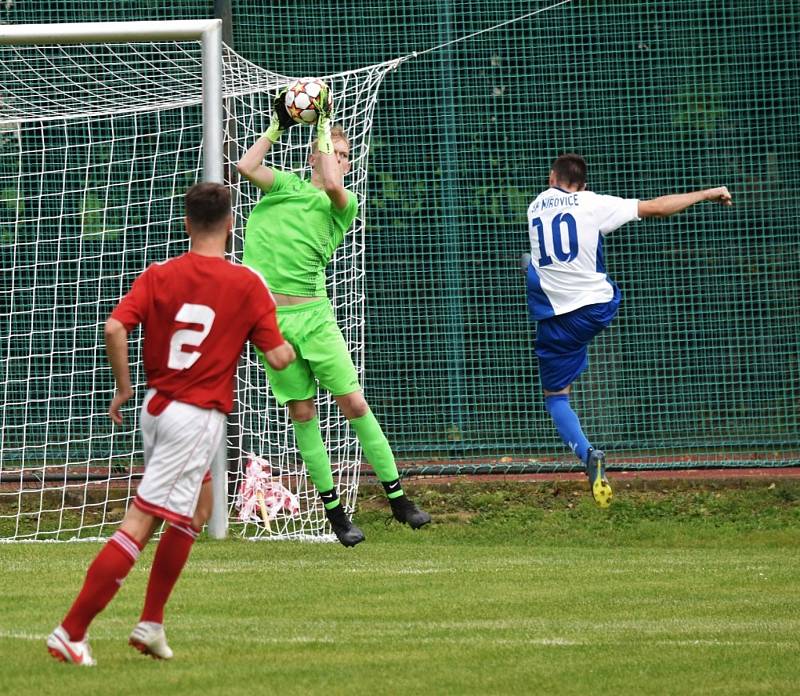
x: 560, y: 221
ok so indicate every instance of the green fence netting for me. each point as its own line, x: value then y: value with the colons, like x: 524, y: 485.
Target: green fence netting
x: 702, y: 363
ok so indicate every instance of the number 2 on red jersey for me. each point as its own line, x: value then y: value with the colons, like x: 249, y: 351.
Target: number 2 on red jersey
x: 189, y: 314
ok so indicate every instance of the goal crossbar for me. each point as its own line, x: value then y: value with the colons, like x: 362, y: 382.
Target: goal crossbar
x: 101, y: 32
x: 207, y: 31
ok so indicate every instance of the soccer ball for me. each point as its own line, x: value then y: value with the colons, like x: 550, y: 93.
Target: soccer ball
x: 299, y: 97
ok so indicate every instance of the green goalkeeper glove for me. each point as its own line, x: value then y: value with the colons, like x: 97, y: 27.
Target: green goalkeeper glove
x: 324, y: 107
x: 280, y: 119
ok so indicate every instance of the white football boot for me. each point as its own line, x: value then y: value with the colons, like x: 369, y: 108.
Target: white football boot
x: 63, y: 649
x: 149, y: 639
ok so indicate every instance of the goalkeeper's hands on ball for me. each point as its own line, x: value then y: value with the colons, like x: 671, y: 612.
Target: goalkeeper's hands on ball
x: 323, y: 105
x: 280, y: 119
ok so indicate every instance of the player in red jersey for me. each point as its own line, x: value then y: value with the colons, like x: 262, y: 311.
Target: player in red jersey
x: 197, y: 311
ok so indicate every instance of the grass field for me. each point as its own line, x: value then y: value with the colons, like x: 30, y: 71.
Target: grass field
x: 517, y: 588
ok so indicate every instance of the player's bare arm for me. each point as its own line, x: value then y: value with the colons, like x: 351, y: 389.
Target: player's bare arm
x: 331, y: 157
x: 251, y: 166
x: 330, y: 168
x: 664, y: 206
x: 116, y: 337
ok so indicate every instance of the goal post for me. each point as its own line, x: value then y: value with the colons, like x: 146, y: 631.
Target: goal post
x: 209, y: 34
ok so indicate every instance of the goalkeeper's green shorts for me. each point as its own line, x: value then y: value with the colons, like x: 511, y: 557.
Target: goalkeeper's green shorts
x: 322, y: 354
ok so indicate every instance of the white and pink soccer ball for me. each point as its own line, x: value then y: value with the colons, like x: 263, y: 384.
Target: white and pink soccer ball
x: 299, y: 98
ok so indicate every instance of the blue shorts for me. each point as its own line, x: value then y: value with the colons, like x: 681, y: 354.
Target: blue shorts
x: 562, y: 342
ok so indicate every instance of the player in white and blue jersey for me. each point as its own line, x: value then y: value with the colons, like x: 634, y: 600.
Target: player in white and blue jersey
x: 570, y: 295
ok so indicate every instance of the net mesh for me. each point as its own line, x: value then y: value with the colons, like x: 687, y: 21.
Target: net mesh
x: 93, y: 195
x: 701, y: 367
x: 258, y: 425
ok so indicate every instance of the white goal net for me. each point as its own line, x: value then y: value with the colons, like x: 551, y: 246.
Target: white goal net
x: 98, y: 144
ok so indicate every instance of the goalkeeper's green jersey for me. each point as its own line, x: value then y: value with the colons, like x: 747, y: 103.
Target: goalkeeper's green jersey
x: 292, y: 233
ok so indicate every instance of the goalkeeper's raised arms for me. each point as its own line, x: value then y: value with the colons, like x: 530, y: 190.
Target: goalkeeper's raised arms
x: 324, y: 107
x: 280, y: 119
x: 251, y: 165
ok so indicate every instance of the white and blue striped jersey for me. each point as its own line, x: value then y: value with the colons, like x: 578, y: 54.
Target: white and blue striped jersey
x: 566, y: 230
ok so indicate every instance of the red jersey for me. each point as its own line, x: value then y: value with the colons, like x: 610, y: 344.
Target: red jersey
x: 197, y: 312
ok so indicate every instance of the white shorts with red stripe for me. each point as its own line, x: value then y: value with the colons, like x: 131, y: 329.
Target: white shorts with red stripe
x: 179, y: 445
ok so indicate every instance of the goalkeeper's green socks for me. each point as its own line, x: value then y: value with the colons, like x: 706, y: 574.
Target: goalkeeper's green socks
x: 378, y: 452
x: 330, y: 499
x: 312, y: 449
x: 379, y: 455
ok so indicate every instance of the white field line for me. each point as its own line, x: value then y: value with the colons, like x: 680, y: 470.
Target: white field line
x: 555, y: 641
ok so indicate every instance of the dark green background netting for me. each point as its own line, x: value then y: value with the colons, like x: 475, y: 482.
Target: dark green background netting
x: 659, y: 97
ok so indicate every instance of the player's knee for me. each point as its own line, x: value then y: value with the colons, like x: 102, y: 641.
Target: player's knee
x: 205, y: 503
x: 201, y: 516
x: 361, y: 408
x: 353, y: 405
x: 302, y: 410
x: 138, y: 524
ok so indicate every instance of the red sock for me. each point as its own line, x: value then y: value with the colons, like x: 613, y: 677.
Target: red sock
x: 171, y: 555
x: 103, y: 578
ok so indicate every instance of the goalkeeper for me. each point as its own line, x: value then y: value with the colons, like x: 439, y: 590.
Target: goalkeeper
x: 290, y: 238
